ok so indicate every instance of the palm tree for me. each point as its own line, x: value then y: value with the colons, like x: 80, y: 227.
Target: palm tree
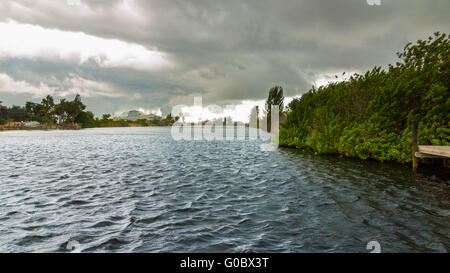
x: 47, y: 106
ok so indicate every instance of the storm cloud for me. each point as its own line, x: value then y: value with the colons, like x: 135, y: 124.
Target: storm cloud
x: 124, y: 54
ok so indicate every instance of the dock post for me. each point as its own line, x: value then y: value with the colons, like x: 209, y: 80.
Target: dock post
x: 415, y: 160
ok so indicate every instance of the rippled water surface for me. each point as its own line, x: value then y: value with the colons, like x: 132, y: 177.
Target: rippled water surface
x: 137, y: 190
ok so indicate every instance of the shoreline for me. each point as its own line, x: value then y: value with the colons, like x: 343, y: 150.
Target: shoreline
x: 22, y: 126
x: 67, y: 128
x: 427, y: 165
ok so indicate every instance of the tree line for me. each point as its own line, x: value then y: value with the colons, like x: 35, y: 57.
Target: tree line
x: 50, y: 112
x: 73, y: 112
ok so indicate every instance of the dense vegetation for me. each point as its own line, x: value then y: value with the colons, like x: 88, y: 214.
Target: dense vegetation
x: 49, y: 112
x: 369, y: 116
x: 87, y: 120
x: 73, y: 112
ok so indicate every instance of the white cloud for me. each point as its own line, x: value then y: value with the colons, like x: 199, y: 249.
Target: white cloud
x: 30, y: 41
x: 70, y: 86
x: 8, y: 85
x: 150, y: 111
x: 88, y: 88
x: 238, y: 112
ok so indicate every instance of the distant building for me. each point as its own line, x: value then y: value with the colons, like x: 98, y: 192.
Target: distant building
x: 15, y: 114
x: 137, y: 115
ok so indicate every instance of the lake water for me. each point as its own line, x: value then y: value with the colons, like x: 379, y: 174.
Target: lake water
x: 138, y: 190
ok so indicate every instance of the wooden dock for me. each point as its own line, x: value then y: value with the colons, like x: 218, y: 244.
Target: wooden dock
x: 424, y: 151
x: 433, y: 152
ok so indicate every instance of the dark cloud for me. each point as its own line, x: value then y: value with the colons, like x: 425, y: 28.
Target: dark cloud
x: 226, y: 51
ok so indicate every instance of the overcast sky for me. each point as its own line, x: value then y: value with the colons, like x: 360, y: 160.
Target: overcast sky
x: 140, y: 54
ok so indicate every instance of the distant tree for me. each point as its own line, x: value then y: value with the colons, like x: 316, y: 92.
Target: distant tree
x: 87, y: 120
x: 276, y: 97
x: 169, y: 120
x: 60, y: 110
x: 74, y: 108
x: 33, y: 108
x: 47, y: 105
x: 106, y: 117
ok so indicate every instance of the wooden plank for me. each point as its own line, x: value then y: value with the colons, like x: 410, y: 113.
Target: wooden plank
x: 443, y: 151
x: 421, y: 155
